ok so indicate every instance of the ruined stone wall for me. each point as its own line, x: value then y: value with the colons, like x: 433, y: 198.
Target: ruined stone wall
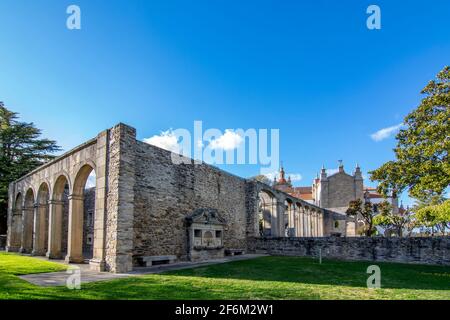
x: 165, y: 193
x: 408, y: 250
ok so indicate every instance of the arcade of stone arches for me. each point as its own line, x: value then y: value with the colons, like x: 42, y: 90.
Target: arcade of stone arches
x: 280, y: 216
x: 49, y: 218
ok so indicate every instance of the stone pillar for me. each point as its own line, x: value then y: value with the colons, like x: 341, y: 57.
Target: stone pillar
x: 97, y: 262
x: 55, y: 229
x: 75, y: 236
x: 27, y: 230
x: 40, y: 213
x: 13, y: 237
x: 308, y: 223
x: 317, y: 224
x: 280, y: 219
x: 14, y: 231
x: 313, y: 223
x: 120, y: 209
x: 321, y: 224
x: 301, y: 226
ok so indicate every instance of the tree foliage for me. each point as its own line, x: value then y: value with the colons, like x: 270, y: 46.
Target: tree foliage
x: 403, y: 220
x: 422, y: 165
x: 435, y: 216
x: 21, y: 150
x: 365, y: 212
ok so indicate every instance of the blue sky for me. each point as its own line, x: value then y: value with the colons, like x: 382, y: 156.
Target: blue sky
x: 310, y: 68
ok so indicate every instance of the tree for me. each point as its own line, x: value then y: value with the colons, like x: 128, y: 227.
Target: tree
x: 262, y: 178
x: 422, y: 165
x: 396, y: 221
x: 21, y: 150
x: 365, y: 212
x: 435, y: 216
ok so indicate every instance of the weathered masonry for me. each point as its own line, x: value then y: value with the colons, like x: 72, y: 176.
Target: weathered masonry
x: 147, y: 208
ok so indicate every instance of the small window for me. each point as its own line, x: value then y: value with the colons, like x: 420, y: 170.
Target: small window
x: 336, y: 224
x: 219, y: 234
x: 197, y: 233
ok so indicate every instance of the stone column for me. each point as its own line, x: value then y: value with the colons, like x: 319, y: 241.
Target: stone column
x: 97, y: 262
x: 13, y: 238
x: 301, y: 222
x: 55, y: 229
x: 280, y: 219
x: 313, y: 223
x: 308, y: 223
x: 40, y: 213
x: 27, y: 230
x: 75, y: 236
x: 317, y: 224
x: 14, y: 231
x: 120, y: 210
x: 321, y: 224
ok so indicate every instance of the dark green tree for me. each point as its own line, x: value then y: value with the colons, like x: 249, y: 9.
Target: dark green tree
x: 422, y: 165
x: 365, y: 212
x: 21, y: 150
x: 403, y: 220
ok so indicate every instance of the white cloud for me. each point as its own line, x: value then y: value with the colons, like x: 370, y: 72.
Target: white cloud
x: 332, y: 171
x: 166, y: 140
x: 295, y: 176
x: 228, y: 141
x: 385, y: 132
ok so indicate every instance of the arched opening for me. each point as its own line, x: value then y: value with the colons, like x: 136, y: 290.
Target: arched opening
x: 15, y: 241
x: 28, y: 222
x: 89, y: 215
x: 58, y: 219
x: 40, y: 240
x: 82, y: 216
x: 266, y: 213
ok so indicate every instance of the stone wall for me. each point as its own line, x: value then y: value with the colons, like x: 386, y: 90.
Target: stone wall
x: 165, y: 193
x: 434, y: 251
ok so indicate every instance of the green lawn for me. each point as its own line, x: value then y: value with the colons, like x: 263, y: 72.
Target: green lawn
x: 261, y: 278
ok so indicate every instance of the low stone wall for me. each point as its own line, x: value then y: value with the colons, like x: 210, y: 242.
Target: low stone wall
x: 434, y: 251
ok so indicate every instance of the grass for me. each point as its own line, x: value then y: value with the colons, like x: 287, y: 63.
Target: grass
x: 261, y: 278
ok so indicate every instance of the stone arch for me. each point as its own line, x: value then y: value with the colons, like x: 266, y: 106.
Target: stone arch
x: 79, y: 248
x: 28, y: 221
x: 81, y: 178
x: 40, y: 239
x: 60, y: 185
x: 267, y: 212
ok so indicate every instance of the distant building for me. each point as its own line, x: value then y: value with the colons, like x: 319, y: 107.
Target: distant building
x: 334, y: 193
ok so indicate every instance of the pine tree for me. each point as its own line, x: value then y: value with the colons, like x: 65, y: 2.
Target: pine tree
x: 21, y: 150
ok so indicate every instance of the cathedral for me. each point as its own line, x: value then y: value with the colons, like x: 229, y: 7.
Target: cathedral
x: 334, y: 193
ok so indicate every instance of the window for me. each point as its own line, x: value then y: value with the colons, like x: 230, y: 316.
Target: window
x: 336, y: 224
x: 219, y: 234
x: 197, y: 233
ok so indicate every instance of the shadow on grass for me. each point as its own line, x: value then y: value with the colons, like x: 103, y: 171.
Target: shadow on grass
x: 330, y: 272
